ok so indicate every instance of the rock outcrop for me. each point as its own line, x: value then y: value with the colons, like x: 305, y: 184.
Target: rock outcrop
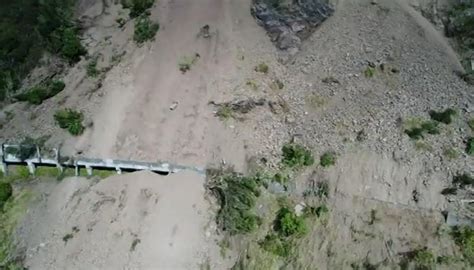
x: 288, y: 23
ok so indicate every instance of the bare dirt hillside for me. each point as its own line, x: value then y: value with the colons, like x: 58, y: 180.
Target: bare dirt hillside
x: 136, y: 221
x: 356, y: 84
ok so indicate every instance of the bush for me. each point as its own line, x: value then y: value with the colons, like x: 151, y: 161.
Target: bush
x: 328, y: 159
x: 70, y: 120
x: 470, y: 146
x: 463, y: 180
x: 262, y: 67
x: 295, y: 155
x: 145, y: 29
x: 417, y: 130
x: 71, y: 47
x: 444, y: 116
x: 237, y: 195
x: 6, y: 192
x: 464, y: 238
x: 288, y: 223
x: 414, y: 133
x: 137, y: 7
x: 39, y: 93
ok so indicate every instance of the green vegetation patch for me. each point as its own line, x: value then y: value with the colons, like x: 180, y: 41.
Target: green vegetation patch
x: 369, y: 72
x: 13, y: 210
x: 6, y: 192
x: 186, y: 62
x: 287, y: 228
x: 145, y: 29
x: 262, y: 68
x: 416, y: 128
x: 327, y: 159
x: 276, y: 245
x: 237, y: 195
x: 445, y: 116
x: 70, y: 120
x: 295, y: 155
x: 137, y: 7
x: 30, y: 27
x: 37, y: 94
x: 424, y: 259
x: 91, y: 68
x: 470, y: 146
x: 463, y: 180
x: 464, y: 238
x: 287, y: 223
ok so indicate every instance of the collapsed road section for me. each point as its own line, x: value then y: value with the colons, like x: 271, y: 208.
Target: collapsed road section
x: 33, y: 156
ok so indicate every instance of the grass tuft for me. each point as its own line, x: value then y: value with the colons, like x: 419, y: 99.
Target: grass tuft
x: 262, y: 68
x: 369, y: 72
x: 187, y: 62
x: 91, y: 68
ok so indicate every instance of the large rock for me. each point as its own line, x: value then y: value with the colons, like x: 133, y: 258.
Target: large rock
x: 288, y: 24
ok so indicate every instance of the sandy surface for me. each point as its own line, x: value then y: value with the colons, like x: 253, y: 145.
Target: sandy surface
x: 135, y: 120
x: 166, y: 217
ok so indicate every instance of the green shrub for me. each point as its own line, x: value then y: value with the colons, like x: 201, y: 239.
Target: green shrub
x: 424, y: 259
x: 6, y: 192
x: 71, y: 48
x: 237, y: 195
x: 328, y: 159
x: 418, y: 128
x: 369, y: 72
x: 414, y: 133
x: 470, y: 146
x: 444, y: 116
x: 463, y: 180
x: 464, y: 238
x: 274, y: 244
x: 262, y: 67
x: 70, y: 120
x: 288, y: 223
x: 56, y: 86
x: 137, y: 7
x: 39, y: 93
x: 145, y: 30
x: 295, y: 155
